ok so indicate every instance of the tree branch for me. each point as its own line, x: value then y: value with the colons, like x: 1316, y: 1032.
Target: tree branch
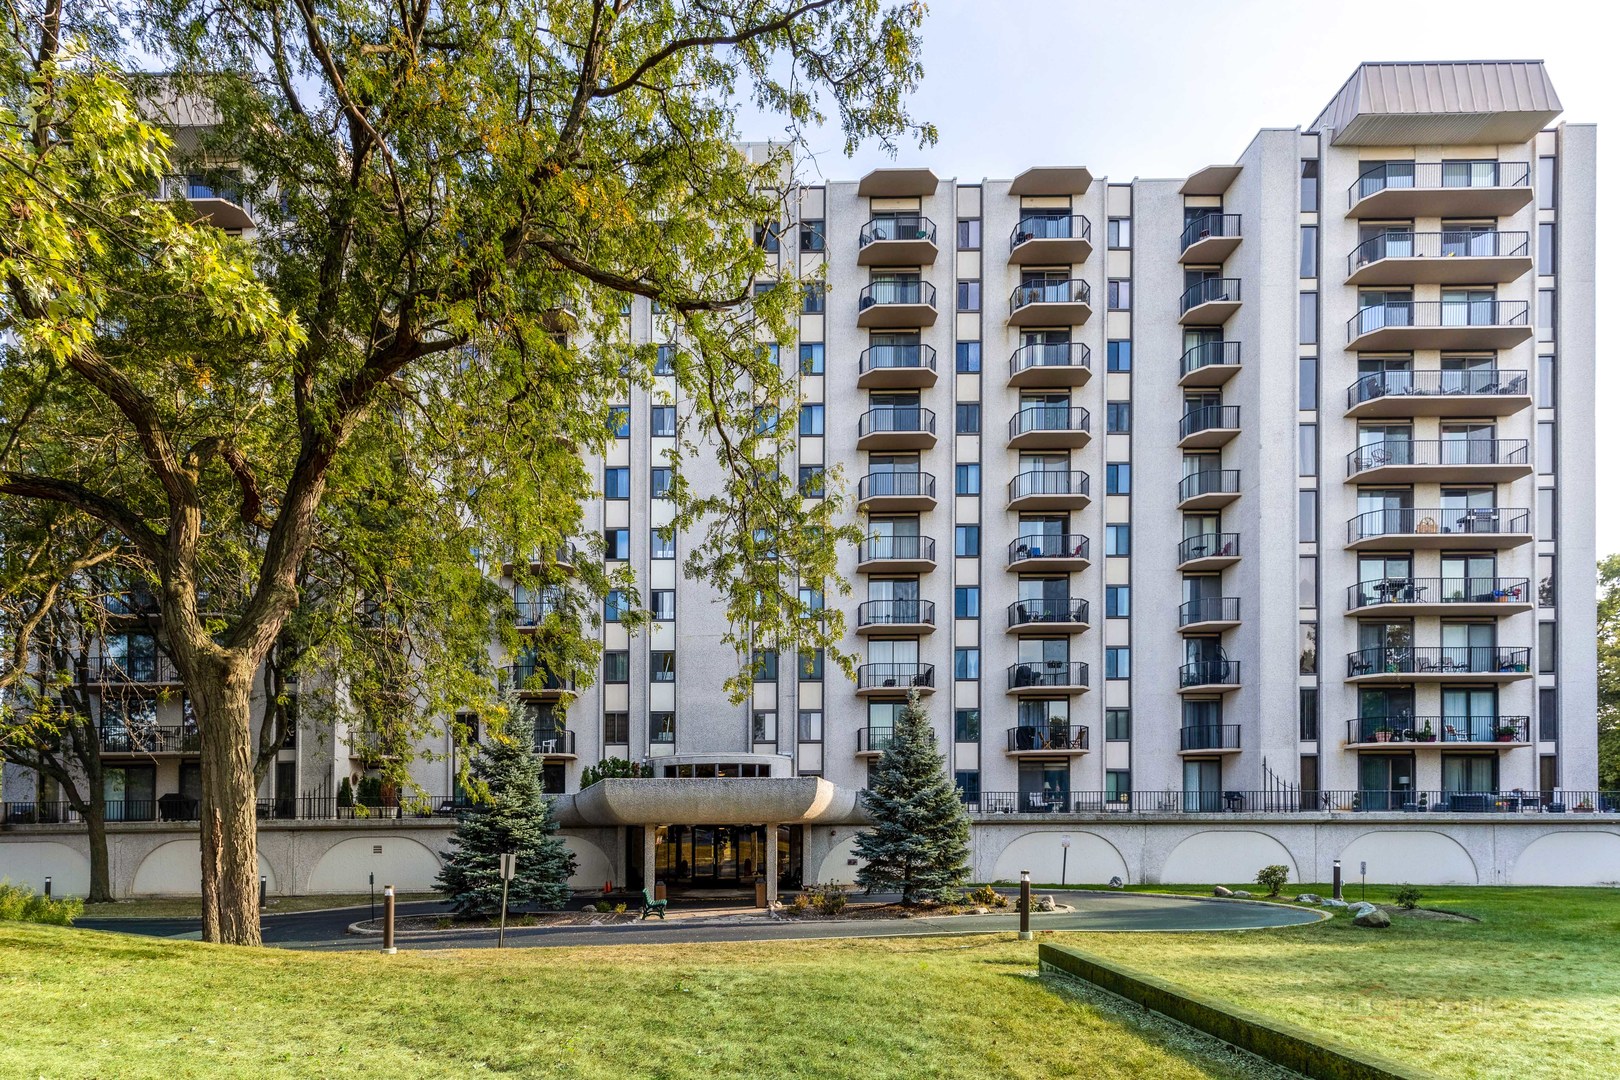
x: 704, y: 41
x: 148, y: 541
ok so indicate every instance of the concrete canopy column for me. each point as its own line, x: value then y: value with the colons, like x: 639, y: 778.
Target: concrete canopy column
x: 772, y: 858
x: 649, y: 860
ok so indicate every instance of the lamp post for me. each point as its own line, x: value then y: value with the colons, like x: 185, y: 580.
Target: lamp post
x: 1338, y: 880
x: 388, y: 920
x: 1023, y: 907
x: 1064, y: 878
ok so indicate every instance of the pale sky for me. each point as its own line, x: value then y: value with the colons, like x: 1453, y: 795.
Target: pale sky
x: 1157, y: 89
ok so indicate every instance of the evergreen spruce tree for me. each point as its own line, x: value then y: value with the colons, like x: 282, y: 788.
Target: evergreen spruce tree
x: 919, y: 837
x: 517, y: 820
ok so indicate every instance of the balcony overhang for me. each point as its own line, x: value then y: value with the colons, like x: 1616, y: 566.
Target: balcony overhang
x: 1470, y: 103
x: 1068, y: 625
x: 1050, y: 313
x: 915, y: 251
x: 1057, y: 561
x: 1456, y: 202
x: 1050, y: 251
x: 877, y: 504
x: 1210, y: 250
x: 1211, y: 312
x: 1442, y: 608
x: 1049, y: 439
x: 895, y: 316
x: 1210, y: 180
x: 1441, y: 270
x: 913, y: 377
x: 1451, y: 541
x: 743, y: 801
x: 897, y: 183
x: 1051, y: 180
x: 1407, y: 338
x: 902, y: 629
x: 914, y: 439
x: 1411, y: 405
x: 1461, y: 473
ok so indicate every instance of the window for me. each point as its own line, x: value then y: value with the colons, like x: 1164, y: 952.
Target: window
x: 1547, y: 713
x: 967, y: 418
x: 815, y: 298
x: 967, y: 479
x: 1117, y: 602
x: 615, y: 666
x: 1117, y: 724
x: 663, y: 547
x: 812, y: 598
x: 1307, y: 516
x: 1117, y: 539
x: 1546, y: 382
x: 1546, y: 524
x: 813, y: 234
x: 967, y: 541
x: 661, y: 727
x: 1119, y: 232
x: 1307, y: 714
x: 967, y: 357
x: 810, y: 725
x: 1546, y: 314
x: 614, y: 605
x: 967, y: 601
x: 765, y: 663
x: 663, y: 478
x: 665, y: 362
x: 1546, y: 448
x: 1117, y: 662
x: 1117, y: 785
x: 967, y: 663
x: 1307, y: 648
x: 1307, y: 383
x: 812, y: 419
x: 1119, y: 294
x: 1119, y: 417
x: 1119, y: 356
x: 812, y: 664
x: 1307, y: 581
x: 663, y: 604
x: 1307, y: 251
x: 1307, y: 449
x: 1547, y: 183
x: 813, y: 481
x: 616, y: 728
x: 1308, y: 202
x: 968, y: 234
x: 1547, y: 647
x: 619, y: 421
x: 967, y: 296
x: 616, y: 544
x: 967, y: 725
x: 663, y: 665
x: 812, y: 358
x: 769, y: 236
x: 1307, y: 318
x: 765, y: 726
x: 1546, y: 592
x: 616, y: 482
x: 663, y: 420
x: 967, y: 783
x: 1546, y: 248
x: 1119, y: 478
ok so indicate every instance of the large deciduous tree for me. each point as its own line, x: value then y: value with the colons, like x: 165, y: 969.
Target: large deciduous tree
x: 416, y: 354
x: 1608, y: 672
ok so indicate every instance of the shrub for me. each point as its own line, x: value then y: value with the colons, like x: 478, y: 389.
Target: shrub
x: 799, y: 904
x: 1408, y: 896
x: 987, y: 897
x: 620, y: 908
x: 613, y: 768
x: 827, y: 899
x: 1272, y: 878
x: 604, y: 906
x: 18, y: 903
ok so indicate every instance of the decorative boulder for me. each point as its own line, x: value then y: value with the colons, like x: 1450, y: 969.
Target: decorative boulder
x: 1242, y: 894
x: 1045, y: 903
x: 1115, y: 883
x: 1373, y: 918
x: 1308, y: 898
x: 1222, y: 890
x: 1330, y: 902
x: 1361, y: 907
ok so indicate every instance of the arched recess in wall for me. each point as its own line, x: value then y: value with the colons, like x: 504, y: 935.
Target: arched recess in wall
x: 406, y: 864
x: 1584, y: 857
x: 839, y: 864
x: 1420, y: 857
x: 1225, y: 856
x: 592, y: 868
x: 1092, y: 860
x: 175, y: 869
x: 31, y: 863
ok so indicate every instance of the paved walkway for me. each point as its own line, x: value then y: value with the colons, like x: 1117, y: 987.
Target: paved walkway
x: 1094, y: 912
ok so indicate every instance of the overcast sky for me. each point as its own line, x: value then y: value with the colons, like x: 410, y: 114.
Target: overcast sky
x: 1156, y: 89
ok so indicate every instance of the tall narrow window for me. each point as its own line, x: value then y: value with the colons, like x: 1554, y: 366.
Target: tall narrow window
x: 1547, y: 183
x: 1307, y: 318
x: 1119, y: 356
x: 1307, y: 516
x: 1307, y: 449
x: 1307, y: 383
x: 1307, y: 251
x: 1119, y: 233
x: 1308, y: 201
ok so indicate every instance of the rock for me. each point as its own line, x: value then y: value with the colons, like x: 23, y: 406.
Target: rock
x: 1373, y: 918
x: 1222, y: 890
x: 1334, y: 903
x: 1045, y: 903
x: 1240, y: 894
x: 1308, y: 898
x: 1361, y: 907
x: 1115, y: 883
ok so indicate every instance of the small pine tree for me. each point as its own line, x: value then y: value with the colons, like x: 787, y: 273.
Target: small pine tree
x: 918, y: 842
x: 517, y: 820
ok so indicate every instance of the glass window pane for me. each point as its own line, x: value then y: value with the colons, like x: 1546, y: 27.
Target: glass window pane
x: 1307, y: 449
x: 1307, y: 516
x: 1307, y: 251
x: 1308, y: 186
x: 1307, y: 318
x: 1307, y: 383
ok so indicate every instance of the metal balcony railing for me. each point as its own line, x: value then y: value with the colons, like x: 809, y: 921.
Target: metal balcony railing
x: 1436, y: 660
x: 896, y: 419
x: 1211, y: 737
x: 1210, y: 609
x: 1031, y: 418
x: 150, y: 739
x: 132, y: 670
x: 1439, y: 245
x: 1056, y: 674
x: 1049, y: 354
x: 1209, y: 482
x: 895, y: 485
x: 1035, y: 738
x: 910, y: 548
x: 1053, y: 227
x: 895, y: 613
x: 897, y: 292
x: 873, y: 740
x: 1210, y: 290
x: 1216, y: 672
x: 1048, y: 609
x: 1044, y: 482
x: 1442, y: 729
x: 1209, y: 418
x: 894, y: 676
x: 1478, y: 382
x: 532, y: 678
x: 1437, y: 314
x: 1470, y: 520
x: 1466, y: 450
x: 897, y: 358
x: 1048, y: 546
x: 1207, y: 545
x: 899, y: 227
x: 1210, y: 354
x: 533, y: 610
x: 1438, y: 590
x: 1208, y: 225
x: 1070, y: 291
x: 1436, y: 174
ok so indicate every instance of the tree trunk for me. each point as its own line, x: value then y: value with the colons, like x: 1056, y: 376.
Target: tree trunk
x: 95, y: 820
x: 230, y: 853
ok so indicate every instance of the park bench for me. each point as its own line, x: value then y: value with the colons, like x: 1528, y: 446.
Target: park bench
x: 649, y: 906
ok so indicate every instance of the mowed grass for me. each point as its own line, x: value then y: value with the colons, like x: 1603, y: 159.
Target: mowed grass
x: 190, y: 907
x: 83, y: 1003
x: 1531, y: 990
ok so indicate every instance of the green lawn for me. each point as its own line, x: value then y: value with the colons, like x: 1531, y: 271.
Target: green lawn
x: 82, y: 1003
x: 1532, y: 990
x: 190, y: 907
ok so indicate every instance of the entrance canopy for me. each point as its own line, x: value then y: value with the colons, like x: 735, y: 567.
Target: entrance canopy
x: 794, y: 800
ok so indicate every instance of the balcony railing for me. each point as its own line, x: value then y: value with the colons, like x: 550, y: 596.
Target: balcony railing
x: 1039, y: 227
x: 1212, y: 737
x: 1457, y: 451
x: 1210, y: 290
x: 894, y: 676
x: 132, y: 670
x: 895, y: 613
x: 897, y: 358
x: 1209, y: 418
x: 1070, y: 291
x: 144, y: 739
x: 1056, y: 674
x: 1211, y: 354
x: 1208, y: 225
x: 1439, y: 590
x: 1048, y: 737
x: 1044, y: 482
x: 896, y: 419
x: 554, y: 741
x: 908, y: 548
x: 1208, y: 546
x: 1210, y: 609
x: 1049, y: 354
x: 1472, y: 382
x: 1438, y: 729
x: 533, y: 610
x: 1437, y: 174
x: 895, y: 485
x: 907, y: 227
x: 1437, y: 660
x: 1048, y: 546
x: 1056, y: 418
x: 1472, y: 520
x: 873, y: 740
x: 896, y: 292
x: 1048, y: 609
x: 1438, y: 314
x: 532, y: 679
x: 1215, y: 672
x: 1439, y: 245
x: 1209, y: 482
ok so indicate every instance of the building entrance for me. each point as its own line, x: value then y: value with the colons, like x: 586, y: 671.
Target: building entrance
x: 719, y: 856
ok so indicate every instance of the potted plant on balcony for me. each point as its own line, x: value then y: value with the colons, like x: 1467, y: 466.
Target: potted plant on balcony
x: 1383, y: 734
x: 1506, y: 733
x: 1584, y: 806
x: 1427, y: 734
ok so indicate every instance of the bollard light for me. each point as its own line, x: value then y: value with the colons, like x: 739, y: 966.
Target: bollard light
x: 1023, y: 907
x: 1338, y: 880
x: 264, y: 891
x: 388, y: 920
x: 47, y: 886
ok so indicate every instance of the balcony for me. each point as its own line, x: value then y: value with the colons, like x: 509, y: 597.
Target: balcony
x: 870, y: 742
x: 905, y: 240
x: 1217, y: 676
x: 1049, y: 740
x: 556, y: 744
x: 1459, y: 460
x: 1408, y: 732
x: 1209, y: 614
x: 1045, y: 678
x: 221, y: 205
x: 562, y: 557
x: 1440, y: 596
x: 533, y: 610
x: 1211, y: 238
x: 1457, y: 189
x: 1039, y: 489
x: 888, y: 304
x: 887, y: 367
x: 1211, y: 302
x: 890, y: 491
x: 1440, y: 258
x: 894, y: 554
x: 1439, y: 324
x: 896, y: 427
x: 1208, y: 551
x: 533, y: 680
x: 1049, y: 427
x: 1055, y: 363
x: 894, y: 617
x: 1463, y: 392
x: 116, y: 671
x: 1478, y: 528
x: 1211, y: 739
x: 1211, y: 363
x: 1467, y: 663
x: 1049, y: 303
x: 1208, y: 489
x: 1062, y: 552
x: 1208, y: 426
x: 149, y: 739
x: 1049, y: 615
x: 890, y: 679
x: 1049, y: 241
